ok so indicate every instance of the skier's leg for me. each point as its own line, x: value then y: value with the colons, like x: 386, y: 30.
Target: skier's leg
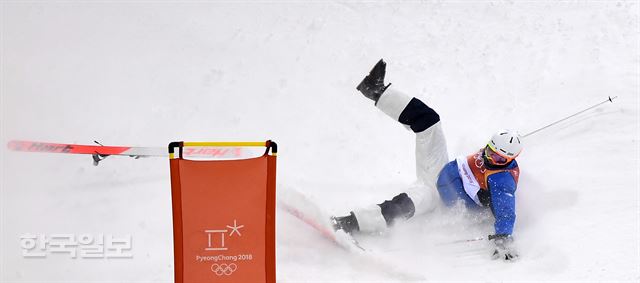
x: 431, y: 156
x: 377, y: 217
x: 431, y: 146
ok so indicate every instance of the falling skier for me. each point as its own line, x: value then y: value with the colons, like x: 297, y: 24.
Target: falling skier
x: 485, y: 179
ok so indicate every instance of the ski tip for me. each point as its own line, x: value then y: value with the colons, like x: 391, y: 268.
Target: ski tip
x: 18, y: 145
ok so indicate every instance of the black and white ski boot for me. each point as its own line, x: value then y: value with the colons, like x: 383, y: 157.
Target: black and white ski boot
x: 347, y: 223
x: 372, y: 86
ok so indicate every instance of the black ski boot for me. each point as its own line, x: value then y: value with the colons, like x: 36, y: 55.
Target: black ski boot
x: 347, y: 223
x: 372, y: 86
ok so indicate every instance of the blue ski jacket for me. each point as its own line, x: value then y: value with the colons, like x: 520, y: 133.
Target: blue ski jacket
x: 499, y: 195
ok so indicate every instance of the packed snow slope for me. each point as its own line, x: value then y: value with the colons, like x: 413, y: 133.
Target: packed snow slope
x: 146, y: 73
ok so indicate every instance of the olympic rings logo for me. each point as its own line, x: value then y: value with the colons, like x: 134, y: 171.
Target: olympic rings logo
x: 224, y: 269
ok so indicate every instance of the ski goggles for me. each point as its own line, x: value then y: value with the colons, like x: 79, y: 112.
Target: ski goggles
x: 495, y: 157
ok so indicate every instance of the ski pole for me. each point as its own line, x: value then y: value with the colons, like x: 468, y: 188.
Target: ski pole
x: 461, y: 241
x: 468, y: 240
x: 610, y: 99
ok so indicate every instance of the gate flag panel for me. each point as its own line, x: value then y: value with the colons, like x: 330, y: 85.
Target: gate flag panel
x: 223, y: 215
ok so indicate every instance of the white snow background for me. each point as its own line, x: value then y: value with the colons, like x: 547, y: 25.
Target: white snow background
x: 146, y: 73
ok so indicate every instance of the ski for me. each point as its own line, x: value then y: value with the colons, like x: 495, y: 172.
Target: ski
x: 307, y: 211
x: 303, y: 208
x: 99, y: 152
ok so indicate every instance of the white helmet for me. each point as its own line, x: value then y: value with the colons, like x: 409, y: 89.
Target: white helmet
x: 506, y: 143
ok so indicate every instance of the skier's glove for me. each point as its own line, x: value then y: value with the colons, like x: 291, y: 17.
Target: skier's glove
x: 503, y: 247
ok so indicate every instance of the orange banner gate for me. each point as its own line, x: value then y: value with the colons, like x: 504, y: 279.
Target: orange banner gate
x: 223, y: 216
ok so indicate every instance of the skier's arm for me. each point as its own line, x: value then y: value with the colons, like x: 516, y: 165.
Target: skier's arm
x: 502, y: 187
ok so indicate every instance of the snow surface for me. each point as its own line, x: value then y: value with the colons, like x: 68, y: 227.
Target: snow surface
x: 150, y: 72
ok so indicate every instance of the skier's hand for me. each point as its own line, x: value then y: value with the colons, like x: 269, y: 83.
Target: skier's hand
x: 503, y: 247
